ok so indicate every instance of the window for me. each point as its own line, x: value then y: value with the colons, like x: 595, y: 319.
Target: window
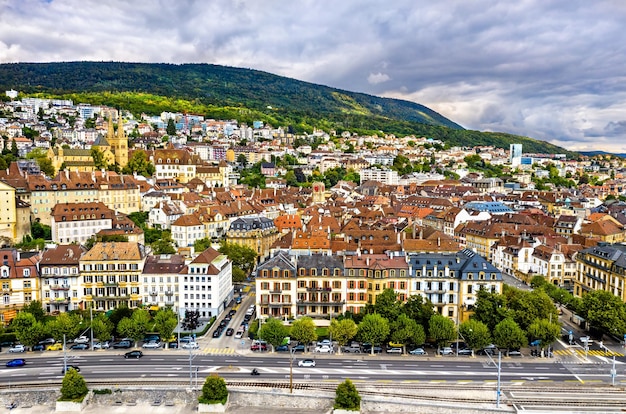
x: 26, y: 272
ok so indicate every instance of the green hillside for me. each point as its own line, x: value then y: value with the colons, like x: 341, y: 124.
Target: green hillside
x: 226, y: 92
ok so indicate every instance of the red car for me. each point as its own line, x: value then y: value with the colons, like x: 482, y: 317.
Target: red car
x: 258, y: 347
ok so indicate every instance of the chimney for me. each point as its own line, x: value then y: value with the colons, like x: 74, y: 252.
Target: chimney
x: 438, y: 241
x: 367, y: 260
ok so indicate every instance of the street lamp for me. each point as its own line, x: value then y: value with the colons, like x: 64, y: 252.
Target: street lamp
x: 499, y: 367
x: 291, y: 369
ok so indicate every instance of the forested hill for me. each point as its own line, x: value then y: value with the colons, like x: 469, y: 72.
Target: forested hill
x: 221, y: 91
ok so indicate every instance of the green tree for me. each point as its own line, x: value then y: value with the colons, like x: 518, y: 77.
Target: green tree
x: 74, y: 387
x: 98, y: 158
x: 27, y: 329
x: 475, y: 333
x: 290, y: 178
x: 14, y: 150
x: 545, y: 331
x: 242, y: 256
x: 102, y: 327
x: 67, y: 324
x: 214, y: 391
x: 373, y: 329
x: 490, y: 308
x: 527, y: 306
x: 387, y: 305
x: 136, y: 326
x: 303, y: 330
x: 118, y: 314
x: 35, y: 309
x: 242, y: 159
x: 273, y: 332
x: 419, y: 309
x: 347, y: 397
x: 342, y: 331
x: 164, y: 245
x: 140, y: 164
x: 41, y: 231
x: 605, y: 312
x: 171, y: 127
x: 406, y: 331
x: 165, y: 322
x: 201, y: 245
x: 441, y: 330
x: 507, y: 334
x: 239, y: 275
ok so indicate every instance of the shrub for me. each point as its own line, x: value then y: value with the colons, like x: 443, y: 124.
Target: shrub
x: 103, y: 392
x: 74, y: 387
x: 347, y: 396
x: 214, y: 391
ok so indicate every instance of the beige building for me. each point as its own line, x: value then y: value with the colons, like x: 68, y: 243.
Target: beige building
x: 19, y: 280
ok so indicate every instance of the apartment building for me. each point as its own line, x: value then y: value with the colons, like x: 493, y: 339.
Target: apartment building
x: 19, y: 277
x: 160, y: 281
x: 77, y: 222
x: 60, y: 279
x: 602, y: 267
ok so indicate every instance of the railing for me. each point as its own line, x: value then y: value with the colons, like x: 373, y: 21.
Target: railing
x: 319, y: 302
x: 318, y: 289
x: 59, y: 287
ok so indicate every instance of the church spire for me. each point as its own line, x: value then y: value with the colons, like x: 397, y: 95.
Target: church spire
x: 110, y: 132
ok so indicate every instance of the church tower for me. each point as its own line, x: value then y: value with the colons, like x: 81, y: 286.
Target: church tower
x: 118, y: 142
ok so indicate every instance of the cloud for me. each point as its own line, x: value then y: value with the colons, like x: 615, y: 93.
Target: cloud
x: 551, y: 70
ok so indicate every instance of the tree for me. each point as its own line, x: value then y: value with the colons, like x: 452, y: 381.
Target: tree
x: 342, y: 331
x: 419, y: 309
x: 507, y: 334
x: 490, y: 308
x: 239, y: 275
x: 102, y: 327
x: 545, y: 331
x: 164, y: 244
x: 35, y: 309
x: 191, y: 320
x: 529, y: 306
x: 171, y: 127
x: 41, y: 231
x: 140, y: 164
x: 387, y: 305
x: 98, y: 158
x: 303, y: 330
x: 165, y: 322
x: 214, y: 391
x: 201, y: 245
x: 605, y: 312
x: 273, y: 332
x: 74, y: 387
x: 475, y: 333
x: 14, y: 150
x: 135, y: 326
x: 373, y: 329
x: 65, y: 324
x: 118, y: 314
x: 242, y: 256
x: 242, y: 159
x: 347, y: 397
x: 27, y: 329
x: 441, y: 329
x: 406, y: 331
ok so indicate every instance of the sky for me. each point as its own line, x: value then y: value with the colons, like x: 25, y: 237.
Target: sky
x: 553, y: 70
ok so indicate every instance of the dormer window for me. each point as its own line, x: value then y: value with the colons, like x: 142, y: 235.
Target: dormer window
x: 26, y: 272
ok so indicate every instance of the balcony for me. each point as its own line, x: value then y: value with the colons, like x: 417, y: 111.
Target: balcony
x: 154, y: 293
x: 318, y: 289
x: 59, y: 301
x: 111, y: 284
x: 320, y: 303
x: 169, y: 303
x: 435, y: 290
x: 59, y: 287
x: 169, y: 293
x: 276, y: 291
x: 596, y: 278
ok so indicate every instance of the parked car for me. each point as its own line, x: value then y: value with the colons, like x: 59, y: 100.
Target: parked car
x: 122, y: 344
x: 418, y: 351
x: 367, y: 348
x: 258, y: 347
x: 486, y: 351
x: 81, y: 340
x: 69, y: 367
x: 17, y: 348
x: 133, y: 354
x: 232, y: 312
x: 354, y: 349
x: 282, y: 348
x: 465, y: 351
x: 55, y: 347
x: 187, y: 339
x: 173, y: 345
x: 230, y: 332
x: 306, y: 363
x: 151, y: 338
x: 47, y: 341
x: 39, y: 347
x: 239, y: 334
x: 152, y: 345
x: 446, y: 350
x: 80, y: 346
x: 394, y: 350
x: 514, y: 352
x: 19, y: 362
x: 101, y: 345
x: 190, y: 345
x: 325, y: 342
x: 325, y: 349
x: 298, y: 348
x: 217, y: 333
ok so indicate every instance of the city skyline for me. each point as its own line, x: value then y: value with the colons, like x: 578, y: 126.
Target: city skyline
x: 548, y: 70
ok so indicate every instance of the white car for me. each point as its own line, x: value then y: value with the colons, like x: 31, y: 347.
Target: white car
x: 101, y: 345
x: 190, y: 345
x: 325, y: 349
x: 306, y: 363
x: 418, y: 351
x: 17, y: 348
x: 239, y: 334
x: 81, y: 340
x: 152, y: 345
x: 325, y: 342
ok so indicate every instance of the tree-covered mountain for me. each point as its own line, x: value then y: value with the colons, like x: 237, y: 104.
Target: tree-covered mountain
x: 226, y: 92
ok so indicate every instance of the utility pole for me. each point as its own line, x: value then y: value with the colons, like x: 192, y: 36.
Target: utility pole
x: 91, y: 324
x: 291, y: 369
x: 64, y: 356
x: 190, y: 370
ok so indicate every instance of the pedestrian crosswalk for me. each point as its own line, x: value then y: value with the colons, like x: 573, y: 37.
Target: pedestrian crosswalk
x: 217, y: 351
x: 591, y: 352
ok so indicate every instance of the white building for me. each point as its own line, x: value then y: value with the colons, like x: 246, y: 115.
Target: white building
x: 77, y: 222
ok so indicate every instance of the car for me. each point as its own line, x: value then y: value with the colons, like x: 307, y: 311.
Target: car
x: 19, y: 362
x: 298, y: 348
x: 152, y: 345
x: 69, y: 367
x: 190, y: 345
x: 133, y: 354
x: 486, y: 351
x: 39, y: 347
x: 228, y: 318
x: 55, y: 347
x: 258, y: 347
x: 122, y: 344
x: 81, y: 340
x: 217, y: 333
x: 17, y: 348
x: 187, y: 339
x: 151, y: 338
x: 514, y: 352
x: 238, y: 300
x: 282, y: 348
x: 352, y: 349
x: 173, y: 345
x: 465, y: 351
x: 239, y: 334
x: 230, y: 332
x: 325, y: 349
x: 101, y: 345
x: 232, y: 312
x: 47, y: 341
x: 446, y: 350
x: 367, y: 348
x: 80, y: 346
x: 394, y: 350
x: 325, y: 342
x: 586, y: 340
x: 418, y: 351
x: 306, y: 363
